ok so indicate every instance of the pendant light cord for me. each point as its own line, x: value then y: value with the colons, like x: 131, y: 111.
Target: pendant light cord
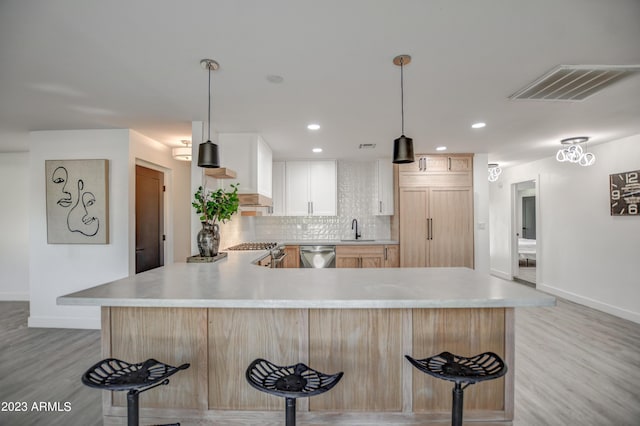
x: 209, y: 122
x: 402, y: 93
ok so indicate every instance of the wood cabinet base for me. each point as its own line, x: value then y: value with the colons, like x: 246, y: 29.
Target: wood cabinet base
x: 379, y: 386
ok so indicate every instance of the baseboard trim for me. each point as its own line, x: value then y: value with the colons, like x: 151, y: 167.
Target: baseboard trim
x: 14, y: 297
x: 57, y: 322
x: 592, y: 303
x: 501, y: 274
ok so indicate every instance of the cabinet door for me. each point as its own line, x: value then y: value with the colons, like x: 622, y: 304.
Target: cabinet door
x: 322, y: 188
x: 463, y: 163
x: 413, y: 227
x: 392, y: 256
x: 278, y: 186
x: 297, y: 188
x: 451, y: 236
x: 384, y: 179
x: 357, y: 256
x: 347, y: 257
x: 264, y: 165
x: 433, y: 163
x: 350, y: 261
x: 371, y: 261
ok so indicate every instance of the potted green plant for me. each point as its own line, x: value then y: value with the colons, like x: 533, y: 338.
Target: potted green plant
x: 213, y: 207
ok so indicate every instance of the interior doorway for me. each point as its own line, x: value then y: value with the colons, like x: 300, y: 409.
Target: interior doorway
x: 149, y: 219
x: 525, y: 259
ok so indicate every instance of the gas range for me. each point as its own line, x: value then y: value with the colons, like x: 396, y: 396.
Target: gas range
x: 253, y: 246
x: 276, y: 253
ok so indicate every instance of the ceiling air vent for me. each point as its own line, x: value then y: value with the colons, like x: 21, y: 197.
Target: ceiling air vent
x: 574, y: 82
x: 367, y: 146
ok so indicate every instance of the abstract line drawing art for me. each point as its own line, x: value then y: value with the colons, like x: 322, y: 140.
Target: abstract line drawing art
x: 77, y: 201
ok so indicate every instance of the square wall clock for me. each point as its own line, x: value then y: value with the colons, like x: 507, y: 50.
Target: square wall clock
x: 624, y: 193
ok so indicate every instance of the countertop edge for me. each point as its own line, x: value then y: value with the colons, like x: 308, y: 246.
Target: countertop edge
x: 306, y: 304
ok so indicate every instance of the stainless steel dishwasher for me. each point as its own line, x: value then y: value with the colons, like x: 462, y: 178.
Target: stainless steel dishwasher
x: 317, y: 256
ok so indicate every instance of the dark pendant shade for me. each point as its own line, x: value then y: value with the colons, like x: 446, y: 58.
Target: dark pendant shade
x: 208, y: 155
x: 403, y: 150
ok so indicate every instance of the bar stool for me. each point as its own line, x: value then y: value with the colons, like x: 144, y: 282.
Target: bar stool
x: 115, y: 375
x: 295, y: 381
x: 461, y: 370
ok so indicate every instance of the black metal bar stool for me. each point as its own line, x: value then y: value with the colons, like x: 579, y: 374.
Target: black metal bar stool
x: 462, y: 371
x: 114, y: 375
x: 295, y: 381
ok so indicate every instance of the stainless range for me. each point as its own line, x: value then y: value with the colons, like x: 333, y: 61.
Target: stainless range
x: 276, y: 253
x: 253, y: 246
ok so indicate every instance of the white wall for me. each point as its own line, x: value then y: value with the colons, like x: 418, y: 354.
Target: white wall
x: 584, y: 254
x: 58, y: 269
x: 14, y: 226
x: 481, y: 226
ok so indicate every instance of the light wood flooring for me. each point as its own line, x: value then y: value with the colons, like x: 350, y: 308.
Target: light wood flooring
x: 527, y: 274
x: 574, y: 366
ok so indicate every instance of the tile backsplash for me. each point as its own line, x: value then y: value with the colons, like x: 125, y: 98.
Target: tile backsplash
x: 357, y: 196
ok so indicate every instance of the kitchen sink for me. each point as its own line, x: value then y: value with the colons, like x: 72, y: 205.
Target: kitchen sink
x: 359, y: 240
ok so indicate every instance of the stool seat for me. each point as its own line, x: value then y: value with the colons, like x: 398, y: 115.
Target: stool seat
x: 112, y: 374
x: 459, y: 369
x: 463, y: 371
x: 290, y: 382
x: 294, y: 381
x: 116, y: 375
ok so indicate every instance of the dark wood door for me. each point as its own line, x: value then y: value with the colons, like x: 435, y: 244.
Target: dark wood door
x: 149, y: 219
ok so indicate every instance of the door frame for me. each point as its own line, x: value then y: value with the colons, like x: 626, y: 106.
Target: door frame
x: 515, y: 230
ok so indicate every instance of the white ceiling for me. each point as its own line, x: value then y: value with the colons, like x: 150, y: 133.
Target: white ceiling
x: 67, y: 64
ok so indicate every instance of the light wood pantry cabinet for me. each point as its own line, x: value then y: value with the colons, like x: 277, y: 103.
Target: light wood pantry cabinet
x: 311, y: 188
x: 436, y: 227
x: 436, y: 211
x: 438, y: 170
x: 360, y: 256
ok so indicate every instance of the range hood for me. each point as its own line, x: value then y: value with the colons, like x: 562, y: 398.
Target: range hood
x: 249, y: 159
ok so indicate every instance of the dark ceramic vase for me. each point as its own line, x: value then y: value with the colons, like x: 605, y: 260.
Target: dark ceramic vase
x: 209, y: 239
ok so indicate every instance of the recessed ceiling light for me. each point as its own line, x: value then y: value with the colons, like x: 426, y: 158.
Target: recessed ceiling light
x: 317, y: 150
x: 479, y: 125
x: 441, y: 148
x: 313, y: 126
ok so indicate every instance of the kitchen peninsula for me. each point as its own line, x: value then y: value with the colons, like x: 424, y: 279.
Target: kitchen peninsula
x: 220, y: 316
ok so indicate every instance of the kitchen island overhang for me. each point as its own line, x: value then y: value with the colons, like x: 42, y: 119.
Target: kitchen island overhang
x: 219, y: 317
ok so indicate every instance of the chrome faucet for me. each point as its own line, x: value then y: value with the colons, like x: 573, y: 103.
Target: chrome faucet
x: 354, y: 222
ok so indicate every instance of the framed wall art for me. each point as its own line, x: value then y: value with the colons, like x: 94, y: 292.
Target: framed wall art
x: 624, y: 193
x: 77, y: 194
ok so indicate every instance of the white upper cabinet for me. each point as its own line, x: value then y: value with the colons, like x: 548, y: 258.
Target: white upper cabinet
x: 278, y: 189
x: 311, y: 188
x: 383, y: 172
x: 251, y: 158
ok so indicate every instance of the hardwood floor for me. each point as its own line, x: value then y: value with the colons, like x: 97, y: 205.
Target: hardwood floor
x: 574, y: 366
x: 45, y: 365
x: 526, y: 274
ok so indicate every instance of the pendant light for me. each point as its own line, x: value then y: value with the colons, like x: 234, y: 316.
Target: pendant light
x: 208, y: 151
x: 403, y: 146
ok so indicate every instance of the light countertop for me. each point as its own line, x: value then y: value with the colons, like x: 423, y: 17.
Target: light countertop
x: 234, y: 282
